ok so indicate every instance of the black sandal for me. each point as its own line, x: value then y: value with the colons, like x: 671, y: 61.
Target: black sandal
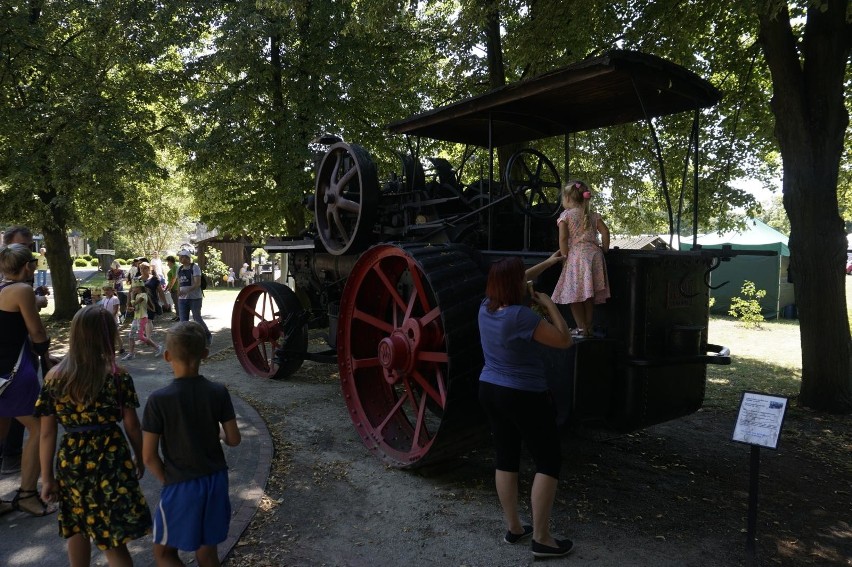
x: 45, y: 509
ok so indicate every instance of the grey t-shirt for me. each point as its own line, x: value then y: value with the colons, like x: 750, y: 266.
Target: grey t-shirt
x: 187, y: 415
x: 185, y: 276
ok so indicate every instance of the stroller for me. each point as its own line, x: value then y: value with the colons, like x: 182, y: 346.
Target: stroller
x: 86, y: 298
x: 85, y: 295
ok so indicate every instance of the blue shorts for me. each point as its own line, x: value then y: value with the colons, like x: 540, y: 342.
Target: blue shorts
x: 193, y: 513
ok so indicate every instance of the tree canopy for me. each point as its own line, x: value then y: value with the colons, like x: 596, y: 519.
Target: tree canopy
x: 223, y: 106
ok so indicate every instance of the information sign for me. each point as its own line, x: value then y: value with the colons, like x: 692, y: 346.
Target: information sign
x: 105, y: 252
x: 760, y: 419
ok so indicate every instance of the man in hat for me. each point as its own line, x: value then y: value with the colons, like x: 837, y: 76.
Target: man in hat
x: 189, y: 292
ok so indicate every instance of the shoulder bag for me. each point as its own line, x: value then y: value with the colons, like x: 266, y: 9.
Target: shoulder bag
x: 6, y: 379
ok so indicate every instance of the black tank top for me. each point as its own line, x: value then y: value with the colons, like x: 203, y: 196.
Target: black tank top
x: 13, y: 333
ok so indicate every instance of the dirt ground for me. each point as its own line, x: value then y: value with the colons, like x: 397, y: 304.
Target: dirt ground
x: 675, y: 494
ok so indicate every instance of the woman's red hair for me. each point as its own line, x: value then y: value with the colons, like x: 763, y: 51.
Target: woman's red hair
x: 504, y: 285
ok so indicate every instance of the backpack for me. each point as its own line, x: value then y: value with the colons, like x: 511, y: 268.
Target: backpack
x: 203, y: 285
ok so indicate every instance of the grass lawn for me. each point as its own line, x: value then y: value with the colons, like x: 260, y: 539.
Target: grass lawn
x: 768, y: 359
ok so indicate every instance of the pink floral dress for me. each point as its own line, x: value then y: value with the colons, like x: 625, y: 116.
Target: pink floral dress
x: 584, y: 271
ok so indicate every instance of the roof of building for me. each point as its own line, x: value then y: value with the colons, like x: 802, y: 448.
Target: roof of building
x: 646, y: 242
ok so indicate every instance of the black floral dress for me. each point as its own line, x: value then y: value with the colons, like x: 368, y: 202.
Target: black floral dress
x: 99, y: 493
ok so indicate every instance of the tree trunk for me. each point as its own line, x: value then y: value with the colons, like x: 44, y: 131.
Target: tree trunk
x: 65, y: 299
x: 810, y: 123
x: 497, y: 77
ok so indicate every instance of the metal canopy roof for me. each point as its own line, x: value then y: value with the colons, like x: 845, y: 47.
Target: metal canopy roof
x: 594, y: 93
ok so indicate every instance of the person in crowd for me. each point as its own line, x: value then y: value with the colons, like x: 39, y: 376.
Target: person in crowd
x: 13, y: 443
x: 156, y: 263
x: 133, y: 271
x: 172, y: 286
x: 184, y: 420
x: 113, y: 306
x: 245, y: 274
x: 231, y: 277
x: 514, y: 393
x: 21, y: 334
x: 41, y: 268
x: 97, y: 295
x: 165, y: 297
x: 154, y: 288
x: 139, y: 327
x: 190, y: 294
x: 583, y: 281
x: 89, y: 396
x: 116, y: 276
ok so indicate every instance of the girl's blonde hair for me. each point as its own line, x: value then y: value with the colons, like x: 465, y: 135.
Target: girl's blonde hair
x: 578, y: 192
x: 91, y: 351
x: 13, y: 258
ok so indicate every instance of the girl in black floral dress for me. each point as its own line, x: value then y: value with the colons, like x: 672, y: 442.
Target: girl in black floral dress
x: 97, y: 479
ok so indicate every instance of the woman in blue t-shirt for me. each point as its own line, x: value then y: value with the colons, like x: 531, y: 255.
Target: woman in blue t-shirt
x: 514, y: 393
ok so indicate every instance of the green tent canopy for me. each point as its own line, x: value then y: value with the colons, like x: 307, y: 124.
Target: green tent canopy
x: 768, y: 273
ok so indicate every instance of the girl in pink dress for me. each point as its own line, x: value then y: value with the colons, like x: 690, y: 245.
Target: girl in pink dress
x: 583, y: 281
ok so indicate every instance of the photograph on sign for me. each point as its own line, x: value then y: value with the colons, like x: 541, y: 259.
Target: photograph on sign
x: 760, y: 419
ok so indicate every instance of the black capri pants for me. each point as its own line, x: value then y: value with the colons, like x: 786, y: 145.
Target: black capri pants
x: 520, y: 418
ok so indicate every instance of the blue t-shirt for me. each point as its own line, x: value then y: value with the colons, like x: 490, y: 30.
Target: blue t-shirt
x: 512, y: 357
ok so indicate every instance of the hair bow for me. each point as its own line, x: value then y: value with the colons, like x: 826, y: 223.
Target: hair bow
x: 587, y: 194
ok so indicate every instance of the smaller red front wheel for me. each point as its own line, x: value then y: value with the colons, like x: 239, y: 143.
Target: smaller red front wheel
x: 269, y: 330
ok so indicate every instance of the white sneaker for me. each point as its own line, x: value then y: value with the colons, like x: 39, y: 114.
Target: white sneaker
x: 128, y: 356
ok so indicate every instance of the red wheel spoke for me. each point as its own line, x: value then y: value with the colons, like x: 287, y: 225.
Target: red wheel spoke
x: 374, y: 321
x: 442, y: 384
x: 396, y: 407
x: 431, y: 316
x: 428, y: 388
x: 421, y: 424
x: 253, y: 345
x: 409, y: 393
x: 359, y: 363
x: 391, y: 289
x: 418, y: 284
x: 433, y: 356
x: 252, y: 311
x: 410, y: 307
x: 267, y: 301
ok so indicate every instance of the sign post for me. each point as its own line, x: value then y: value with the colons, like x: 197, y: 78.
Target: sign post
x: 759, y: 425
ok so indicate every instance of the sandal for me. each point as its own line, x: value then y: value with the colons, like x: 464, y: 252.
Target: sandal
x: 46, y: 509
x: 5, y: 507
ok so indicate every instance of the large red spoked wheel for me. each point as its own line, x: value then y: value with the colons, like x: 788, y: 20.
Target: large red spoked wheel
x: 409, y: 351
x: 346, y: 199
x: 269, y: 330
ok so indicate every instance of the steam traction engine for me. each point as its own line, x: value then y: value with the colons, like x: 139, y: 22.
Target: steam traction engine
x: 397, y: 271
